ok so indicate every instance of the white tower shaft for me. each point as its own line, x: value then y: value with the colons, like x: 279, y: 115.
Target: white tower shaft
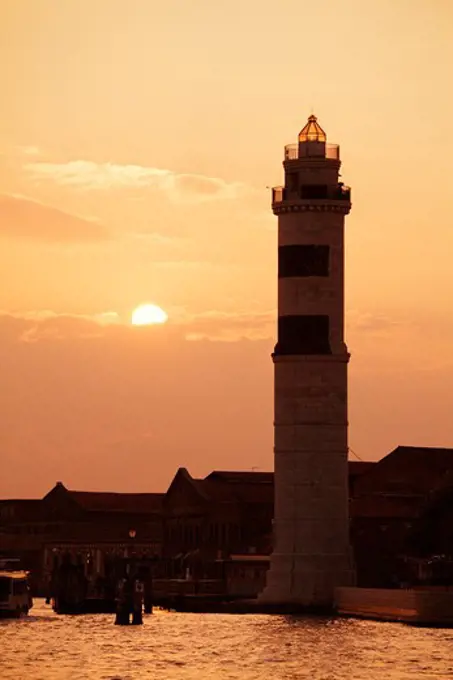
x: 311, y: 527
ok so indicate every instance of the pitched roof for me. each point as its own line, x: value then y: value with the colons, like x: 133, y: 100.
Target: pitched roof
x: 118, y: 502
x: 197, y: 485
x: 396, y: 486
x: 245, y: 487
x: 105, y: 501
x: 230, y: 486
x: 241, y: 477
x: 25, y: 503
x: 400, y: 483
x: 408, y: 470
x: 22, y: 509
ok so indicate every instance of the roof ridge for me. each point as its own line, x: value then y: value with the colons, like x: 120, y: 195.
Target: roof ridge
x: 120, y: 493
x: 421, y: 448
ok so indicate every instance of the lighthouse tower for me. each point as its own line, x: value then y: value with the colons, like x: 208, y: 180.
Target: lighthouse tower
x: 311, y: 529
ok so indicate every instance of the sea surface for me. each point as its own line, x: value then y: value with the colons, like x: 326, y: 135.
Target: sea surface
x: 44, y: 646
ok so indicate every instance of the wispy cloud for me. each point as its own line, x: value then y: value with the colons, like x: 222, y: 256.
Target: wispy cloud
x: 45, y: 324
x: 211, y: 325
x: 182, y: 187
x: 29, y: 150
x: 40, y: 325
x: 102, y: 318
x: 376, y: 323
x: 24, y: 218
x: 223, y: 326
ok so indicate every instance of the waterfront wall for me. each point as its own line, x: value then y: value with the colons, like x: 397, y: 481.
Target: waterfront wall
x: 423, y: 606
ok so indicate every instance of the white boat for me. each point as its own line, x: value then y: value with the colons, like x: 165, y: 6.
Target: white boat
x: 15, y: 597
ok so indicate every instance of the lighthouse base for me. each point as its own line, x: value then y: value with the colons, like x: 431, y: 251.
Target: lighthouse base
x: 306, y: 581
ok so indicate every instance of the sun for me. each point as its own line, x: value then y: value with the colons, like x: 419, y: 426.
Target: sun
x: 145, y: 315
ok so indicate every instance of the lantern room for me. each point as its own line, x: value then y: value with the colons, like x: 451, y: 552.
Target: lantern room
x: 312, y: 139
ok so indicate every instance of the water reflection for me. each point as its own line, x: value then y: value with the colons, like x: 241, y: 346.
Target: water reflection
x: 45, y: 646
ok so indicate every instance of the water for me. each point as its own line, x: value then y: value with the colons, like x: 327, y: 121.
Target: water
x: 170, y: 646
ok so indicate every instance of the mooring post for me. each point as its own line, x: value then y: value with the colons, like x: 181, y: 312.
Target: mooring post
x: 148, y: 595
x: 123, y: 604
x: 137, y: 603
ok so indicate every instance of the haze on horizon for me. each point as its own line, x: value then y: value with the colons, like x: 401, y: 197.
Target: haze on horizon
x: 137, y: 143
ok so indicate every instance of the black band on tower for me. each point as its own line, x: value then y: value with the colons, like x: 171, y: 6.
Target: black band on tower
x: 303, y: 260
x: 303, y: 334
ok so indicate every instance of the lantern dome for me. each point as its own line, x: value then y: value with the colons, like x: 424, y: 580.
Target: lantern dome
x: 312, y: 131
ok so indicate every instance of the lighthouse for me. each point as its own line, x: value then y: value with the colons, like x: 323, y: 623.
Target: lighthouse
x: 311, y: 554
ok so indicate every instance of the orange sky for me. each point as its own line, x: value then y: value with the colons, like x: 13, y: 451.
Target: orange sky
x: 137, y: 140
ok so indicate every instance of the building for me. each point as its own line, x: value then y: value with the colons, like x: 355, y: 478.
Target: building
x: 221, y: 514
x: 217, y: 530
x: 204, y: 518
x: 220, y: 528
x: 86, y: 527
x: 311, y: 555
x: 216, y: 526
x: 401, y: 518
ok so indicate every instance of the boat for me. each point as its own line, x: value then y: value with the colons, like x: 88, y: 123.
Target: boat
x: 15, y: 597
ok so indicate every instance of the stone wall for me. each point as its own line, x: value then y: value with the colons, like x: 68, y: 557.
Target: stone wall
x: 428, y: 606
